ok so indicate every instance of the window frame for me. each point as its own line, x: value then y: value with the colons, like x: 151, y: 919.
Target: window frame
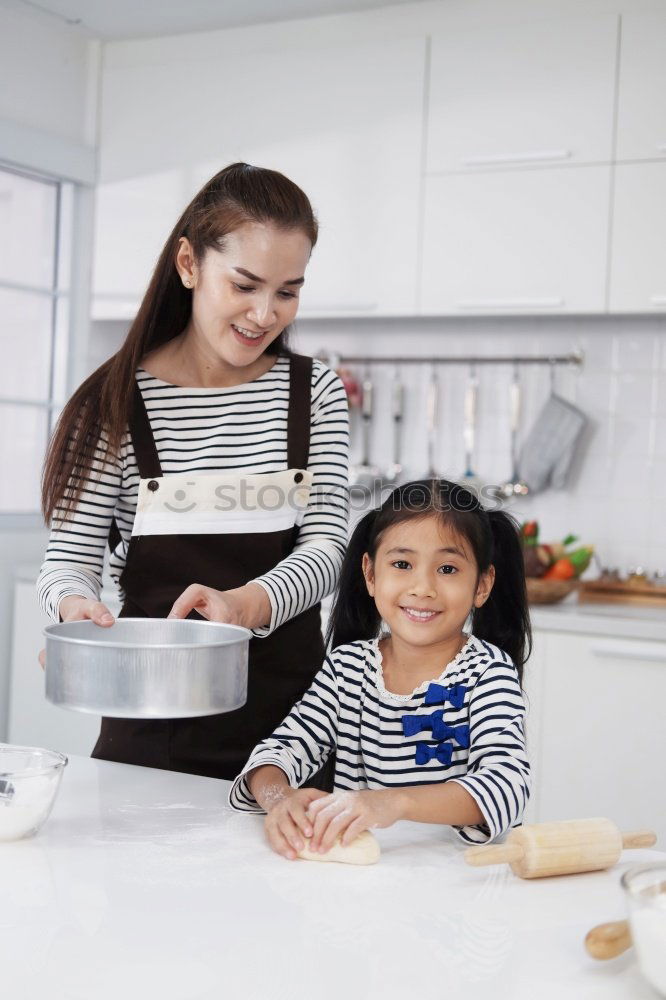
x: 57, y: 291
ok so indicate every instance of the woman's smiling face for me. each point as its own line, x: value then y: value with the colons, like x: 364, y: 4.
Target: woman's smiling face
x: 247, y: 293
x: 425, y: 580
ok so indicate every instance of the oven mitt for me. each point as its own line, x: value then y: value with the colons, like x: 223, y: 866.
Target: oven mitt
x: 550, y: 446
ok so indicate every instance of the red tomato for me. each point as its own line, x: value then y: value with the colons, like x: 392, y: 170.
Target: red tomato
x: 563, y: 569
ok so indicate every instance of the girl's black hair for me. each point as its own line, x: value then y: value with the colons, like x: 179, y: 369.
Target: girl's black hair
x: 494, y: 538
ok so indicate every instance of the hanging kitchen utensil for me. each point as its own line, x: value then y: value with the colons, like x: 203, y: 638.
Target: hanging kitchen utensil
x: 514, y: 486
x: 363, y: 477
x: 394, y: 471
x: 550, y: 447
x: 469, y: 477
x: 352, y: 387
x: 432, y: 400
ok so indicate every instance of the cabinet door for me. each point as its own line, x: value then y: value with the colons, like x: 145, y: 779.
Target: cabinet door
x: 603, y: 739
x: 345, y: 123
x: 534, y: 92
x: 641, y: 120
x: 516, y: 241
x: 638, y: 251
x: 533, y: 681
x: 133, y: 218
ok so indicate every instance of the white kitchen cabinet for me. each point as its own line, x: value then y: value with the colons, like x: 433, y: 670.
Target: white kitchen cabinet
x: 526, y: 93
x: 344, y: 122
x: 519, y: 241
x: 533, y: 679
x: 641, y: 116
x: 133, y: 218
x: 600, y: 731
x: 638, y: 247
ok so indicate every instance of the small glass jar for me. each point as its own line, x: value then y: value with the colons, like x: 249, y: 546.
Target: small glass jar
x: 645, y: 889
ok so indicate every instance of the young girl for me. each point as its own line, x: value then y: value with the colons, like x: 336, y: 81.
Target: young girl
x: 427, y: 721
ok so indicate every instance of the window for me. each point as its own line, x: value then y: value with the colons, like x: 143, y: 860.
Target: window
x: 35, y: 266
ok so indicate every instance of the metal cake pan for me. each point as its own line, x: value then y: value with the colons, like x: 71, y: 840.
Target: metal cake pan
x: 147, y: 668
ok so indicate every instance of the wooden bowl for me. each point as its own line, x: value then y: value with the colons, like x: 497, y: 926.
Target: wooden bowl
x: 548, y: 591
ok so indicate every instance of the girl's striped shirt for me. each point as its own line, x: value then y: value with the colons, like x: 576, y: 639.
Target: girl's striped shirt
x: 348, y: 711
x: 239, y: 430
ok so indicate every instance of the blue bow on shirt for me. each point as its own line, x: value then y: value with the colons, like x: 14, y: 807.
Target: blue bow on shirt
x: 442, y: 751
x: 439, y: 695
x: 413, y: 724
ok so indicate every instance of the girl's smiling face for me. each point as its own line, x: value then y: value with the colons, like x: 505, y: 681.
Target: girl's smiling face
x: 425, y: 581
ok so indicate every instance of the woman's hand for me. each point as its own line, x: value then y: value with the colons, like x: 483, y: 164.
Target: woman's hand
x: 78, y: 609
x: 287, y: 822
x: 344, y: 815
x: 248, y: 606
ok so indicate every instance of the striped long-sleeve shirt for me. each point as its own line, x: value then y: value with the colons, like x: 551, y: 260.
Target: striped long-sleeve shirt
x: 241, y: 429
x: 348, y: 710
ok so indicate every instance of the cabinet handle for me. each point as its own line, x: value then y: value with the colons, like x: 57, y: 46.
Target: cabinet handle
x: 658, y: 300
x: 544, y: 303
x: 535, y: 156
x: 655, y: 653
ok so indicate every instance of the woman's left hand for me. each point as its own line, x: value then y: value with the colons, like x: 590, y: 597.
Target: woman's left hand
x: 344, y: 815
x: 248, y: 606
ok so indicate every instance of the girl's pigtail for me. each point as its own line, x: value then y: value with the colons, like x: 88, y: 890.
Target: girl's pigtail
x: 354, y: 615
x: 504, y: 619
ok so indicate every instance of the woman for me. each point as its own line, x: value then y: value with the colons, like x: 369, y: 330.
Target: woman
x: 214, y: 461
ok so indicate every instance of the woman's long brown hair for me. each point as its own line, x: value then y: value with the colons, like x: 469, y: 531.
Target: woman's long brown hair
x: 93, y: 422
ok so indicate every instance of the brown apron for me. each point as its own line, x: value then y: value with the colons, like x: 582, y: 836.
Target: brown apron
x: 223, y: 550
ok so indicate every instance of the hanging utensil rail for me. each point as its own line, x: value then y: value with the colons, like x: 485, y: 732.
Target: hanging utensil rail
x: 333, y: 359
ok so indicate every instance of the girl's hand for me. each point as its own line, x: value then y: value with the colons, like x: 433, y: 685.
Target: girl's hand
x: 78, y: 609
x: 248, y: 606
x: 287, y: 822
x: 344, y: 815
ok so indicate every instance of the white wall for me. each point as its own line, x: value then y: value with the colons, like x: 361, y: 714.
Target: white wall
x: 45, y: 74
x: 48, y: 106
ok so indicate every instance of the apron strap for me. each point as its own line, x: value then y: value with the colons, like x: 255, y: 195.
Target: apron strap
x: 147, y: 458
x: 298, y: 423
x: 143, y: 441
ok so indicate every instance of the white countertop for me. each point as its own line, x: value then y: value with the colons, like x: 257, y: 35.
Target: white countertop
x: 143, y: 884
x: 630, y: 621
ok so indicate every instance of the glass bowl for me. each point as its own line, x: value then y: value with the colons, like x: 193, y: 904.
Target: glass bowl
x: 29, y: 782
x: 645, y: 891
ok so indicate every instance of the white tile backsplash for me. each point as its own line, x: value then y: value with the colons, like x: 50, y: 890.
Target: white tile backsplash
x: 616, y: 494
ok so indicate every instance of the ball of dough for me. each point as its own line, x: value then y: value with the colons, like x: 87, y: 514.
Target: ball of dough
x: 362, y: 851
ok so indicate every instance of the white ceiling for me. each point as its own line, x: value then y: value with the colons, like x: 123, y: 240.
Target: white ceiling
x: 118, y: 19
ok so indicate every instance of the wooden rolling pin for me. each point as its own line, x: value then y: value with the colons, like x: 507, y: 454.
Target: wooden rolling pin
x: 573, y: 845
x: 608, y: 940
